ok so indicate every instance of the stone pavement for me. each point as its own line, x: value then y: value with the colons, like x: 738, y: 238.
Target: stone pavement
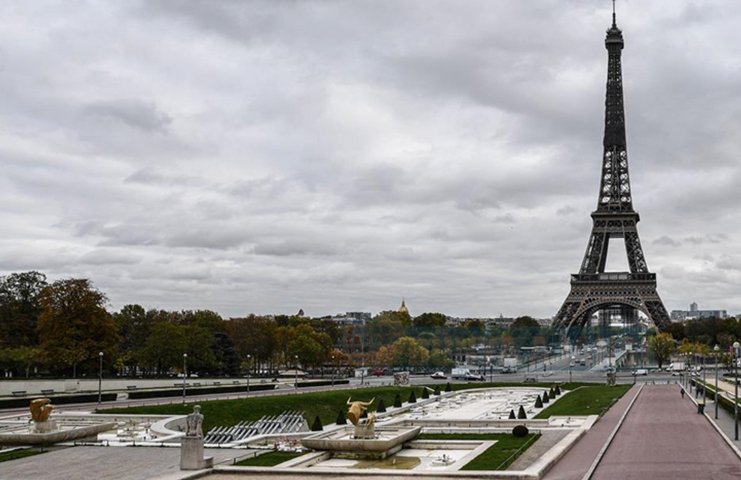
x: 109, y: 463
x: 663, y: 437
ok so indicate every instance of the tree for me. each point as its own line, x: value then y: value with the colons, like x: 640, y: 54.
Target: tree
x: 407, y: 352
x: 19, y: 308
x: 164, y: 348
x: 74, y: 325
x: 133, y: 325
x: 662, y: 345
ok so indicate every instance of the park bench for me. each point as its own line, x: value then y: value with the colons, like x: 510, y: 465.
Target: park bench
x: 217, y: 383
x: 47, y: 391
x: 19, y: 393
x: 196, y: 384
x: 130, y: 387
x: 236, y: 382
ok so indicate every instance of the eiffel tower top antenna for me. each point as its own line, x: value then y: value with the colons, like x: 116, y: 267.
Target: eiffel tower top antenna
x: 614, y: 22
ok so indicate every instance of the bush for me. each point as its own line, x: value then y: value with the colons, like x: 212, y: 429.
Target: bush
x: 448, y: 388
x: 521, y: 413
x: 437, y: 389
x: 397, y: 400
x: 538, y: 402
x: 381, y: 406
x: 341, y: 420
x: 545, y: 397
x: 317, y: 425
x: 425, y: 394
x: 558, y: 390
x: 512, y: 415
x: 520, y: 431
x: 552, y: 394
x: 412, y: 397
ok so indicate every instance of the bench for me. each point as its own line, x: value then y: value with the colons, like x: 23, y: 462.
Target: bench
x: 130, y: 387
x: 48, y: 391
x: 217, y: 383
x: 236, y: 382
x: 196, y: 384
x: 19, y: 393
x: 530, y: 380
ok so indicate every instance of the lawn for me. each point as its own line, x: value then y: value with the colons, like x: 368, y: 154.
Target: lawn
x: 269, y: 459
x: 325, y: 404
x: 497, y: 457
x: 230, y: 412
x: 15, y: 454
x: 586, y: 400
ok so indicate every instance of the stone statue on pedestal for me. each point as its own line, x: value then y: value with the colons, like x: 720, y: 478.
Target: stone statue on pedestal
x: 191, y: 447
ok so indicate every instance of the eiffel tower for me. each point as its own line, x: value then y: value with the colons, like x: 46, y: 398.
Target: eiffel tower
x: 593, y: 289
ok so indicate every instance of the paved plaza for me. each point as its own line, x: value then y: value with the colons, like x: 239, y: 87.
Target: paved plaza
x: 651, y: 432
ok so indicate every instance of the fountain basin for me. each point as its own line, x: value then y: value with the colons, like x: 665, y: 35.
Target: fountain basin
x: 341, y: 443
x: 63, y: 435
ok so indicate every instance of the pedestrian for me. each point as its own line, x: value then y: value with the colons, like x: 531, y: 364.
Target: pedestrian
x: 681, y: 390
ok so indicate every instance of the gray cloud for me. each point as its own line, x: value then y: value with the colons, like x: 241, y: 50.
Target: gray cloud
x: 269, y: 156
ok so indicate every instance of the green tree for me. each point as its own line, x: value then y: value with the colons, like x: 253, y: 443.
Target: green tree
x: 662, y: 345
x: 133, y: 326
x: 74, y: 325
x: 407, y: 352
x: 20, y: 309
x: 164, y: 348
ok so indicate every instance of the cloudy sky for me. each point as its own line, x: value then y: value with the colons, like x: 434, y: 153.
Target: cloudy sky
x: 266, y: 156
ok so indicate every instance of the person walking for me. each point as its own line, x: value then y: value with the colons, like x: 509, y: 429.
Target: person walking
x: 681, y: 391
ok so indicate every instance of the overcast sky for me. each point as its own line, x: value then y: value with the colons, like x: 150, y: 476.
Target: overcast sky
x: 261, y: 157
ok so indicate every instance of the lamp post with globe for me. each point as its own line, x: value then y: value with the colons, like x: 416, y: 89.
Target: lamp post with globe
x: 716, y: 349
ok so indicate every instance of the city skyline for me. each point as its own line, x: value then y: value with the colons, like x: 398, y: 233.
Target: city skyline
x: 267, y: 157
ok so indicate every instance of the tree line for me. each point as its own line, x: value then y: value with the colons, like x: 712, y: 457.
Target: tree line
x: 60, y: 328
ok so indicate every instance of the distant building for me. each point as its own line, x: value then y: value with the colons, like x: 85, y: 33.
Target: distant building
x: 356, y: 319
x: 403, y: 308
x: 694, y: 314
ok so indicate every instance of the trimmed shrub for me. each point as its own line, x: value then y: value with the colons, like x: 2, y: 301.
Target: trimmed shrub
x: 341, y: 420
x: 437, y: 390
x: 538, y: 402
x: 521, y: 413
x: 425, y: 393
x: 448, y: 388
x: 552, y: 394
x: 545, y: 397
x: 520, y: 431
x: 558, y: 390
x: 397, y: 400
x: 512, y: 415
x: 317, y: 425
x: 381, y: 406
x: 412, y: 397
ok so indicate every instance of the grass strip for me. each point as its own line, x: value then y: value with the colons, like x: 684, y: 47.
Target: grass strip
x: 269, y: 459
x: 15, y: 454
x: 586, y: 400
x: 497, y: 457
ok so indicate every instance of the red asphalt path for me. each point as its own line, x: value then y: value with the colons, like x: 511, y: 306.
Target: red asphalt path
x: 663, y: 437
x: 576, y: 462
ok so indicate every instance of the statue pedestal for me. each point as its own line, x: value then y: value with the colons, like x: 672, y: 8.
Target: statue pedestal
x: 364, y: 432
x: 191, y: 454
x: 44, y: 427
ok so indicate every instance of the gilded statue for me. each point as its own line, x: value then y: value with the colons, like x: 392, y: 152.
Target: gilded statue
x: 356, y: 410
x: 41, y: 409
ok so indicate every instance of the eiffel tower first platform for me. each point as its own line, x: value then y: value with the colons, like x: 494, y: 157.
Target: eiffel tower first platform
x: 593, y: 289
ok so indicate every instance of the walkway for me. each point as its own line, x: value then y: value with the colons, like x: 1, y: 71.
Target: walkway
x: 663, y: 437
x: 578, y: 459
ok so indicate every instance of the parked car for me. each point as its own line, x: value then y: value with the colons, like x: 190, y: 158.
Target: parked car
x: 379, y: 372
x: 640, y: 371
x: 509, y: 370
x: 472, y: 377
x: 439, y: 376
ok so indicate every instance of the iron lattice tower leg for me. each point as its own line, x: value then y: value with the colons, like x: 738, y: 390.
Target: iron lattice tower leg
x: 593, y: 289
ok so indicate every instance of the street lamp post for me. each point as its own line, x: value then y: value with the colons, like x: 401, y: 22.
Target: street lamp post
x: 295, y: 372
x: 704, y: 385
x: 735, y: 382
x: 249, y: 358
x: 100, y: 377
x: 185, y: 372
x: 716, y: 348
x: 333, y: 369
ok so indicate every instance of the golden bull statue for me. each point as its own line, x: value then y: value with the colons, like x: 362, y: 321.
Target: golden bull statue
x: 356, y: 410
x: 41, y: 409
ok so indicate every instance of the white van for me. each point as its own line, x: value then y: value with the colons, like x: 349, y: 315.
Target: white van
x: 640, y: 371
